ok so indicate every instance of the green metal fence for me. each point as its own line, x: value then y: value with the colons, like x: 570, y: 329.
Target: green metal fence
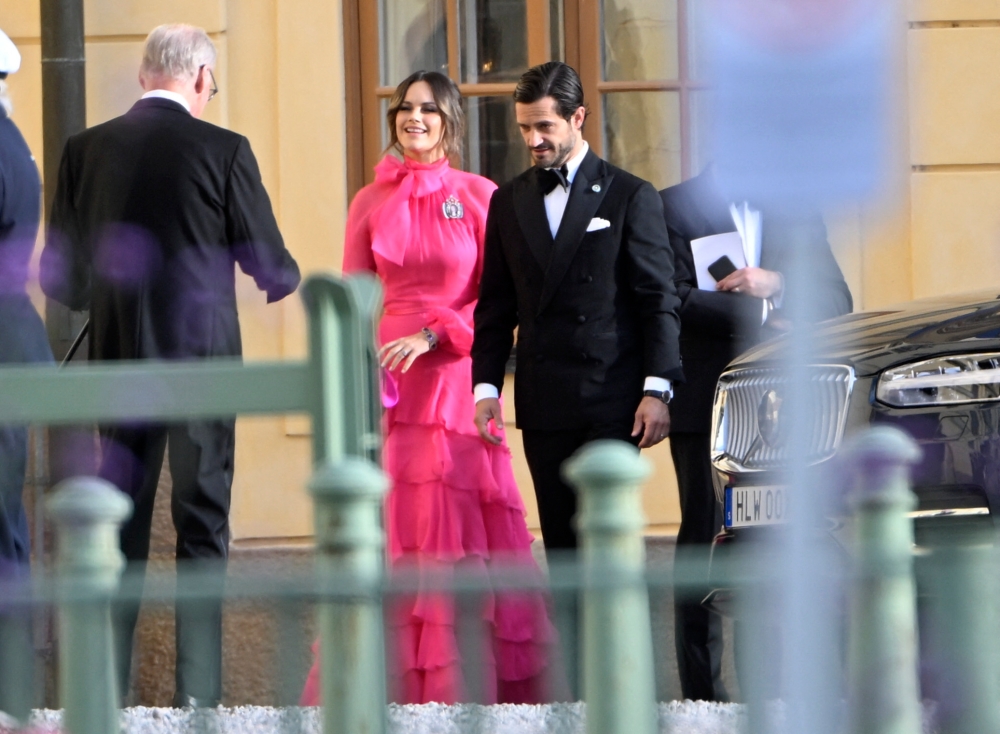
x: 337, y: 387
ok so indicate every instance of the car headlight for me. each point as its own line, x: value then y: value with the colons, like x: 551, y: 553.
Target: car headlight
x: 960, y: 378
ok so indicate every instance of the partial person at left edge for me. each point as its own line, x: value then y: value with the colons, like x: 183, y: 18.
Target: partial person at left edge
x: 152, y: 212
x: 22, y: 340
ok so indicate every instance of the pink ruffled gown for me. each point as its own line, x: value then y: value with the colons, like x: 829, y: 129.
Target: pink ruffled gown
x: 453, y: 499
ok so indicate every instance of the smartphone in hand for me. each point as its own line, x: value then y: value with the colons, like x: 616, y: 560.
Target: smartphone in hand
x: 721, y: 268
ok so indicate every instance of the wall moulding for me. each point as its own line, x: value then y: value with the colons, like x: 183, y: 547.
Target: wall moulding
x: 954, y: 10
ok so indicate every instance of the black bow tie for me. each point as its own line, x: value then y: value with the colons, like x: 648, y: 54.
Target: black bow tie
x: 549, y: 178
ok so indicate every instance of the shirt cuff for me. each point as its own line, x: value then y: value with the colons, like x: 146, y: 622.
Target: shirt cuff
x: 660, y: 384
x: 485, y: 390
x: 763, y: 317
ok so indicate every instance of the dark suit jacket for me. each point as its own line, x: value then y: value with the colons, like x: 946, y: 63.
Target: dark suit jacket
x: 152, y: 210
x: 596, y: 312
x: 717, y: 326
x: 22, y: 334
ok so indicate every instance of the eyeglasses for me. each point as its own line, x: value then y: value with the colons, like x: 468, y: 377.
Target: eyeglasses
x: 215, y: 87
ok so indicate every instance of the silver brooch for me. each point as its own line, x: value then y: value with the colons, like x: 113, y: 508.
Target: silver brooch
x: 596, y: 188
x: 453, y: 208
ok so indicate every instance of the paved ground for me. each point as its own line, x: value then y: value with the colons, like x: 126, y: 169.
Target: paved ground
x: 259, y: 642
x: 660, y: 554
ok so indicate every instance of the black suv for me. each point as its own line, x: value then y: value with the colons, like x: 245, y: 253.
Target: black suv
x: 930, y: 367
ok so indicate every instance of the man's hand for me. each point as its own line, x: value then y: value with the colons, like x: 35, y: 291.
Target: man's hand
x: 652, y: 419
x: 488, y: 409
x: 755, y: 282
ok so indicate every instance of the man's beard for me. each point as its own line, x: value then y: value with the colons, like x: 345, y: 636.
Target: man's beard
x: 562, y: 154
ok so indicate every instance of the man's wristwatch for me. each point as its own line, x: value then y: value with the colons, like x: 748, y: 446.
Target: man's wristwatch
x: 659, y: 395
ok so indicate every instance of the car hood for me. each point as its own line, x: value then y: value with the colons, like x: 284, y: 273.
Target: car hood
x: 870, y: 341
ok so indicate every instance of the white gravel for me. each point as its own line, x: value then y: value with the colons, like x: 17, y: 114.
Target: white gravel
x: 678, y: 717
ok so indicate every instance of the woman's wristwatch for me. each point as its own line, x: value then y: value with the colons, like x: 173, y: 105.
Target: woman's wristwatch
x: 431, y: 338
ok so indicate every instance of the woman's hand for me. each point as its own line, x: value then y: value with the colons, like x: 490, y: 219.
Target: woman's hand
x: 405, y: 349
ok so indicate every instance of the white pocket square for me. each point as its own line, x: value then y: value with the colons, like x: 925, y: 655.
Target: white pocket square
x: 597, y: 223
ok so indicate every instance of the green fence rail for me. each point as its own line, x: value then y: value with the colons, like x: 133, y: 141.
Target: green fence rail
x: 337, y: 387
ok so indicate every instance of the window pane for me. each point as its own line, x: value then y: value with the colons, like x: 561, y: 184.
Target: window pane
x: 642, y: 133
x: 696, y: 16
x: 414, y: 37
x: 494, y: 40
x: 640, y: 39
x: 557, y: 29
x: 383, y: 126
x: 701, y: 121
x: 493, y: 145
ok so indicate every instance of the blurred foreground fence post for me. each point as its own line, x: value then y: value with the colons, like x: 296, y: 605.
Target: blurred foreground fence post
x: 88, y: 513
x: 617, y: 636
x: 349, y: 540
x: 882, y: 653
x: 961, y: 651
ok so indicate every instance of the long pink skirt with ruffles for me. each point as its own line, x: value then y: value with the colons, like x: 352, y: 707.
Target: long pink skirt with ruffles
x: 454, y: 504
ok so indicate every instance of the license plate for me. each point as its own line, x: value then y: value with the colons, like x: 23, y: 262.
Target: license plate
x: 748, y: 506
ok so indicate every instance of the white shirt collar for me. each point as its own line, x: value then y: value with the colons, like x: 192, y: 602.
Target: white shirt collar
x: 167, y: 94
x: 573, y: 164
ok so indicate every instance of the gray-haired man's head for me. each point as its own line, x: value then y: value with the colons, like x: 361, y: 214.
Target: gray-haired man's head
x: 180, y: 58
x: 177, y: 52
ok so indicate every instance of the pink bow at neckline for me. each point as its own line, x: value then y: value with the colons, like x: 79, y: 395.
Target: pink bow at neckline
x: 392, y: 231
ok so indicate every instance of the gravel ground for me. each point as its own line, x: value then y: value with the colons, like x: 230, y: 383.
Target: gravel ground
x: 685, y: 717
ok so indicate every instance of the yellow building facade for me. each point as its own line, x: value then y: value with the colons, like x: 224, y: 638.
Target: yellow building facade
x: 286, y: 72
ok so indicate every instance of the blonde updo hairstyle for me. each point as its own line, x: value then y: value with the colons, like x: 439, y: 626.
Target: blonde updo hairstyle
x: 449, y: 103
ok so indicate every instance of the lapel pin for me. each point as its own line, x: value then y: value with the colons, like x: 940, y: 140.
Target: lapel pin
x: 596, y: 188
x: 453, y: 208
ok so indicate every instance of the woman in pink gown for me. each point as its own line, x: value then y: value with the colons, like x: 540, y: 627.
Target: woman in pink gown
x: 453, y: 501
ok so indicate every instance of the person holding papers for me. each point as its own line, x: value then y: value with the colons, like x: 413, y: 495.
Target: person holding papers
x: 720, y: 318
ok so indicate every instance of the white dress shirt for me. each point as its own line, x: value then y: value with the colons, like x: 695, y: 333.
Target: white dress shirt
x: 555, y: 207
x: 555, y: 200
x: 167, y: 94
x: 748, y: 224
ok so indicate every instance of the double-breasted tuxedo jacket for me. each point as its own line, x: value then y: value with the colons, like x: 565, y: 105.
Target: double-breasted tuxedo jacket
x: 595, y: 311
x: 717, y: 326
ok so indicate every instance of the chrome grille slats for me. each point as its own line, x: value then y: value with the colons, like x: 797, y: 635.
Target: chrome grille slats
x: 736, y: 441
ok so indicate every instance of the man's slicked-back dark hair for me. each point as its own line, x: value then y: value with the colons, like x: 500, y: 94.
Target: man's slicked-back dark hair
x: 552, y: 79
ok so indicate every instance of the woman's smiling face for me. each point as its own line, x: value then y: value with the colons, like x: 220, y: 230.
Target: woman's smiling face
x: 419, y: 125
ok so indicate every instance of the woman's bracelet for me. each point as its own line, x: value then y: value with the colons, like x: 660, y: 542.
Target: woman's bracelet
x: 431, y: 338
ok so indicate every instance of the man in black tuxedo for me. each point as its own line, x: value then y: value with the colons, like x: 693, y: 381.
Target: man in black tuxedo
x: 152, y: 212
x: 717, y: 325
x: 577, y: 259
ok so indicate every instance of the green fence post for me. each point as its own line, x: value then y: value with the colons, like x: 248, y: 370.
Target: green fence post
x: 87, y: 513
x: 617, y: 636
x: 882, y: 652
x: 962, y: 634
x: 349, y: 540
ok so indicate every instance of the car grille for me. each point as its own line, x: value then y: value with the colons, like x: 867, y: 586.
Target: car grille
x: 738, y: 442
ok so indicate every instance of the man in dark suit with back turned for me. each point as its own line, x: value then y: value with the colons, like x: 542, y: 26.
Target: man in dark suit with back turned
x: 152, y: 211
x: 716, y: 325
x: 577, y: 259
